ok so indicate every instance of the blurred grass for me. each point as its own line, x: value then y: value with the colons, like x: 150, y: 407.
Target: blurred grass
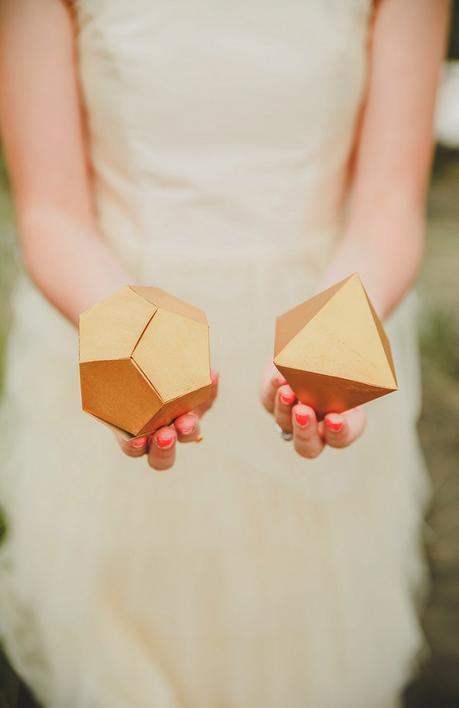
x: 9, y: 260
x: 437, y: 685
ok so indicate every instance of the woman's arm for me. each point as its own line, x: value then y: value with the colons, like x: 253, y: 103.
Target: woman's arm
x: 383, y: 239
x: 43, y: 137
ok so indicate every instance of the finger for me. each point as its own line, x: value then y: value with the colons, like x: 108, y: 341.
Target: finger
x: 342, y: 429
x: 161, y: 454
x: 200, y: 410
x: 133, y: 447
x: 269, y: 390
x: 187, y: 427
x: 285, y: 398
x: 307, y: 440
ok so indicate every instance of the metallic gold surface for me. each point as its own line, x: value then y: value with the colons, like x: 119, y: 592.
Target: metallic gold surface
x: 144, y: 359
x: 333, y: 350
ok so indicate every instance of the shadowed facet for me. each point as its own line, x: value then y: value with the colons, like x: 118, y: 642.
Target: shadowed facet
x: 118, y: 393
x: 291, y: 322
x: 176, y: 407
x: 383, y: 338
x: 329, y: 394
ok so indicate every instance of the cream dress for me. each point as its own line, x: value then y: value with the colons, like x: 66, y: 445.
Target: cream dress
x: 245, y: 577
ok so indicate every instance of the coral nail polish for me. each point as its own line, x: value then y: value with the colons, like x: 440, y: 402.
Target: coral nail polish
x: 334, y: 426
x: 302, y: 418
x: 287, y: 398
x: 164, y: 441
x: 138, y: 442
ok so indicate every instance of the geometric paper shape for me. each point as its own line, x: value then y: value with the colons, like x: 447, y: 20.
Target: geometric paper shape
x: 144, y: 359
x: 333, y: 350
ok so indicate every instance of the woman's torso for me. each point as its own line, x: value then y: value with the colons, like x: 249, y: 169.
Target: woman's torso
x: 221, y: 129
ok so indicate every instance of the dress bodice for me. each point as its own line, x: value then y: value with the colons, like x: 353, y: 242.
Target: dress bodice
x: 220, y: 127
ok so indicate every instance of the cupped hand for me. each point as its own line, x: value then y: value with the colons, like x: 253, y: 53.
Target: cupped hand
x: 309, y: 435
x: 160, y: 446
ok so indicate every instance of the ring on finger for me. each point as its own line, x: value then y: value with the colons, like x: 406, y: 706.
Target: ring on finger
x: 285, y: 434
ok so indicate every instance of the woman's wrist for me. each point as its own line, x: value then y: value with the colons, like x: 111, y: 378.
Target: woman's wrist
x: 387, y: 268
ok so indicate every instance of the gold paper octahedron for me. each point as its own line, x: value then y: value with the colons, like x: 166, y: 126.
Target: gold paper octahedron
x: 333, y: 350
x: 144, y: 359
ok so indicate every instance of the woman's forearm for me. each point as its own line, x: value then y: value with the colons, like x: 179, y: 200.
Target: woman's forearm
x: 385, y: 247
x: 68, y: 260
x: 383, y: 237
x: 48, y: 154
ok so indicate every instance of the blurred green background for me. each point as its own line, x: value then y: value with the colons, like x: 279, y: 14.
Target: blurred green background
x: 437, y: 686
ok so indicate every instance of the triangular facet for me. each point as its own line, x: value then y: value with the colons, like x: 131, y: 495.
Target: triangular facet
x: 291, y: 322
x: 383, y: 337
x: 342, y: 340
x: 327, y: 394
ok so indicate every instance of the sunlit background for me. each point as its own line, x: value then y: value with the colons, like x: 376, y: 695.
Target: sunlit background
x: 437, y: 685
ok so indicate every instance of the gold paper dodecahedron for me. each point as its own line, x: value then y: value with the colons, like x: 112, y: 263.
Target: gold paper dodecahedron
x: 144, y: 359
x: 333, y: 350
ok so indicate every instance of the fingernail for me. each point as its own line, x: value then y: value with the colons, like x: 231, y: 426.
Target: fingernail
x: 302, y: 418
x: 164, y: 440
x: 187, y: 428
x: 187, y: 424
x: 138, y: 442
x: 287, y: 398
x: 334, y: 426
